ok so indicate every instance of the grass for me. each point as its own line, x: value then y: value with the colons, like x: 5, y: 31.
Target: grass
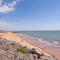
x: 22, y: 50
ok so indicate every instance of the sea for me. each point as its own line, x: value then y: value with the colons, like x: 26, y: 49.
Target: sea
x: 50, y: 38
x: 52, y: 35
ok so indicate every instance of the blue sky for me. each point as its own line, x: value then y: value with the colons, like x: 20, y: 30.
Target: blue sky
x: 30, y: 14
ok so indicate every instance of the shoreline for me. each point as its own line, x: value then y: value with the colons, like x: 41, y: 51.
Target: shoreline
x: 53, y: 51
x: 24, y: 41
x: 54, y: 43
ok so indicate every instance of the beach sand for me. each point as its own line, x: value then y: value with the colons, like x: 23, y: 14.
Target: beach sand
x: 30, y: 44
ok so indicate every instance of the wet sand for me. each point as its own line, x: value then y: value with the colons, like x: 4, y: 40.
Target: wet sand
x: 31, y: 43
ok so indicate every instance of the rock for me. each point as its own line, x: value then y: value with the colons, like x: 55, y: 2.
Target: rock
x: 8, y: 51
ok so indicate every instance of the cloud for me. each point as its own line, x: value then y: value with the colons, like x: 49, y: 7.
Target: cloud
x: 4, y: 8
x: 4, y: 25
x: 19, y: 26
x: 0, y: 2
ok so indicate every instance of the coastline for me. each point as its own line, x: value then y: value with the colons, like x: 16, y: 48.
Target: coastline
x: 31, y: 44
x: 41, y: 40
x: 53, y: 50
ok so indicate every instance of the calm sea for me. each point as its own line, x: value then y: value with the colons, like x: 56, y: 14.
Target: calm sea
x: 46, y: 35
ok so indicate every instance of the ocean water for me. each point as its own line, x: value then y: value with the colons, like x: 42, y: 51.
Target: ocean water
x: 46, y: 35
x: 49, y: 39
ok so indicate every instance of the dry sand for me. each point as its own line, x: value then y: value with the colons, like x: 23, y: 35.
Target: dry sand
x: 14, y: 37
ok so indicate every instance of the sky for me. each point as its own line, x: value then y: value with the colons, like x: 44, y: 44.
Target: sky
x: 20, y: 15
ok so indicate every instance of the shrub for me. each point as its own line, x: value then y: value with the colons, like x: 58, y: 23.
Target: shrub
x: 22, y: 50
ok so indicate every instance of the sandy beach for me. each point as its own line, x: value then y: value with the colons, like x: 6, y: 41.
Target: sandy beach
x: 49, y: 51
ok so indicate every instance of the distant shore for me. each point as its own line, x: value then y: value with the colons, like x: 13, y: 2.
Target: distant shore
x: 30, y: 43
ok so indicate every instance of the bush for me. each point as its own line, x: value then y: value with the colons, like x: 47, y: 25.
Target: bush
x: 22, y: 50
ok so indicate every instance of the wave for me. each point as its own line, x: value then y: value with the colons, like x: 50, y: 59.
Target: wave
x: 44, y: 42
x: 54, y: 43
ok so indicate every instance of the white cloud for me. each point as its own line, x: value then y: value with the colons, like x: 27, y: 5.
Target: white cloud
x: 0, y: 2
x: 14, y: 2
x: 4, y: 25
x: 4, y: 8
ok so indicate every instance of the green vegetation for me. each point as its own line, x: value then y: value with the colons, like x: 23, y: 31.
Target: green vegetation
x: 22, y: 50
